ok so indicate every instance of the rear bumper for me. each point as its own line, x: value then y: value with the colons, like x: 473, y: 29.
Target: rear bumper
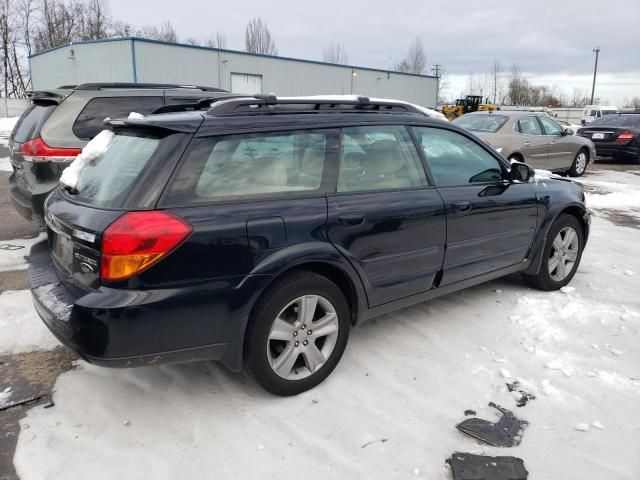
x: 612, y: 149
x: 128, y: 328
x: 31, y: 206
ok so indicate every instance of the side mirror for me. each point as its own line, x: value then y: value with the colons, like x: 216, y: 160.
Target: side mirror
x: 565, y: 132
x: 521, y: 172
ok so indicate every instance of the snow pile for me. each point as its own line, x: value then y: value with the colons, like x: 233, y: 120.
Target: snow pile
x: 613, y: 191
x: 135, y: 116
x: 13, y: 253
x: 92, y: 150
x: 21, y: 327
x: 6, y: 126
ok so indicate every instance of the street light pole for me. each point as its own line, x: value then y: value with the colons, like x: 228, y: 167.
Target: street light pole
x: 595, y: 70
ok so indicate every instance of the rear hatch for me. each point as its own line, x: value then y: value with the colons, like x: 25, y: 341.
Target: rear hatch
x: 34, y: 163
x: 128, y: 175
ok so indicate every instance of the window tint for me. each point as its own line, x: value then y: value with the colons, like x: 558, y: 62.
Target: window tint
x: 31, y: 122
x: 529, y: 126
x: 455, y: 159
x: 245, y: 165
x: 550, y: 127
x: 106, y: 180
x: 618, y: 120
x: 90, y: 122
x: 481, y: 123
x: 379, y: 158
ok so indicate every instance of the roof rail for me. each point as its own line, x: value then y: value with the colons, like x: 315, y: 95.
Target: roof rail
x: 100, y: 86
x: 270, y: 103
x: 202, y: 104
x: 66, y: 87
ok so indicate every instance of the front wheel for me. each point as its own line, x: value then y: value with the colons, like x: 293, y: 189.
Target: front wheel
x: 561, y: 255
x: 298, y: 333
x: 579, y: 165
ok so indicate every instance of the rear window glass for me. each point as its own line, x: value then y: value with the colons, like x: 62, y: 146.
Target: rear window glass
x: 90, y: 122
x: 107, y: 180
x: 481, y: 123
x: 618, y: 121
x: 250, y: 165
x: 31, y: 122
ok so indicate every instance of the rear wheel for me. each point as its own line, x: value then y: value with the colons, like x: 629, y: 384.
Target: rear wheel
x: 298, y: 333
x: 579, y: 165
x: 561, y: 255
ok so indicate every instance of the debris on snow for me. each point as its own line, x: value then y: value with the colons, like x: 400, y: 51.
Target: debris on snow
x: 520, y: 394
x: 615, y: 351
x: 469, y: 412
x: 598, y: 425
x: 465, y: 466
x: 92, y: 150
x: 381, y: 440
x: 126, y: 423
x: 507, y: 432
x: 629, y: 273
x: 567, y: 289
x: 582, y: 427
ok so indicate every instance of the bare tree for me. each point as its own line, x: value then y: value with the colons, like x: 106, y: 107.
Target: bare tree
x: 165, y: 33
x: 518, y: 87
x: 416, y: 59
x: 258, y: 38
x: 496, y: 81
x: 95, y: 22
x: 335, y: 53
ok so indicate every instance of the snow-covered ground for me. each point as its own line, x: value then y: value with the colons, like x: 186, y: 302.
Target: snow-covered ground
x: 13, y: 253
x: 406, y: 378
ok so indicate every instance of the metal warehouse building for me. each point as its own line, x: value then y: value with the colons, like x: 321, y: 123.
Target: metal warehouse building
x: 149, y: 61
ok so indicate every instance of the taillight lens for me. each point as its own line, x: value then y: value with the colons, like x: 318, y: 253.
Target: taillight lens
x: 625, y: 137
x: 37, y: 151
x: 137, y: 240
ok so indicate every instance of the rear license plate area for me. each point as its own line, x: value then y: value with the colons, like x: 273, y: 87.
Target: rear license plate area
x: 63, y: 251
x: 598, y: 136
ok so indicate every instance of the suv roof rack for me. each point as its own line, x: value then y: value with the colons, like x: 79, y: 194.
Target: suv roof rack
x: 270, y: 103
x: 203, y: 104
x: 113, y: 85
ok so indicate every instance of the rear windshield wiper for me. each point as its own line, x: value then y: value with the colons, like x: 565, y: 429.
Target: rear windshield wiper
x: 70, y: 190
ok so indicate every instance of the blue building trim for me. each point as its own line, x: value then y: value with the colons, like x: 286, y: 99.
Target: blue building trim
x: 133, y: 60
x: 223, y: 50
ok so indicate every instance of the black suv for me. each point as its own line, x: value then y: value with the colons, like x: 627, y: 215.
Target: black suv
x: 258, y: 233
x: 60, y: 122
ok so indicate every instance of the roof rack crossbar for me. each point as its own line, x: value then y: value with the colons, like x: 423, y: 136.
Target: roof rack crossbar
x: 202, y: 104
x: 114, y: 85
x: 227, y: 106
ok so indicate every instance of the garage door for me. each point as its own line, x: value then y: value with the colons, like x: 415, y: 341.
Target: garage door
x: 246, y: 83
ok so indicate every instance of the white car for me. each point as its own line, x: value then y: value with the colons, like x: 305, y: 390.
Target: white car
x: 591, y: 112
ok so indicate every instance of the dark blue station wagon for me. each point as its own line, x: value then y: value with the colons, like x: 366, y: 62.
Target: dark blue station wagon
x: 259, y: 232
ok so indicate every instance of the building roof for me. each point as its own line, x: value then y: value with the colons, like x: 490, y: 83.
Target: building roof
x: 224, y: 50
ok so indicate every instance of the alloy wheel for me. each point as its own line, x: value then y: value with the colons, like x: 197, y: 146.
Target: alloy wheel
x: 581, y: 163
x: 563, y: 254
x: 302, y: 337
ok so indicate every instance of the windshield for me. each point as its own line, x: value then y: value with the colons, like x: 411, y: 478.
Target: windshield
x: 618, y: 121
x: 481, y: 123
x: 106, y: 180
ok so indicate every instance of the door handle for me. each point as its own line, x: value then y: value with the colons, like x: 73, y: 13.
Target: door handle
x: 526, y: 144
x: 462, y: 206
x: 351, y: 219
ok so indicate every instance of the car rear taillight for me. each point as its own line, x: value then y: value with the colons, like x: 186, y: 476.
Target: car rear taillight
x: 137, y: 240
x: 625, y: 137
x: 37, y: 151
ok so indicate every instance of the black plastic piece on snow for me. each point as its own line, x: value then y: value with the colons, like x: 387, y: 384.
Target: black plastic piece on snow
x: 465, y: 466
x: 507, y: 432
x: 525, y: 396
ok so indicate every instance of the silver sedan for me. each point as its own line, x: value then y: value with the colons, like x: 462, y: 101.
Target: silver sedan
x: 533, y: 138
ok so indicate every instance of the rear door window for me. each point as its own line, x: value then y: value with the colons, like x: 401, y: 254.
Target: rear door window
x: 251, y: 165
x: 31, y: 122
x: 90, y: 122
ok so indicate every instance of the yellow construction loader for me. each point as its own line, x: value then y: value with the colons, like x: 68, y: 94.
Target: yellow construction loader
x: 472, y: 103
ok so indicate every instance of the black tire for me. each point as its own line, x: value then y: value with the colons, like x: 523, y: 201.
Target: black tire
x: 574, y: 171
x: 268, y: 307
x: 543, y: 280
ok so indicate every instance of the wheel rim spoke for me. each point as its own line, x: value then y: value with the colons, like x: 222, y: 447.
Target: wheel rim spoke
x: 285, y: 361
x: 572, y: 255
x: 281, y: 330
x: 307, y: 308
x: 313, y: 357
x: 568, y: 237
x: 325, y: 325
x: 553, y: 263
x: 557, y: 243
x: 561, y: 272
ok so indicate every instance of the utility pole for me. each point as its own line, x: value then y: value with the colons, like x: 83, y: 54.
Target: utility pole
x: 436, y: 70
x: 595, y: 70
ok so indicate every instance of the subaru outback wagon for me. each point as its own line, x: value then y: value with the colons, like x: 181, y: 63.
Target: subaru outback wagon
x: 259, y: 232
x: 59, y: 122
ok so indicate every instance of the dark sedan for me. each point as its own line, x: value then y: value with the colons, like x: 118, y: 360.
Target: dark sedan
x: 615, y: 136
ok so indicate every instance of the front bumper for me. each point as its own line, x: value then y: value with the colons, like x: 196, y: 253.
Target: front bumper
x: 126, y: 328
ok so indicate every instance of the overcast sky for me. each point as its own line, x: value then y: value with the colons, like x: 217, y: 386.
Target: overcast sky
x: 551, y: 40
